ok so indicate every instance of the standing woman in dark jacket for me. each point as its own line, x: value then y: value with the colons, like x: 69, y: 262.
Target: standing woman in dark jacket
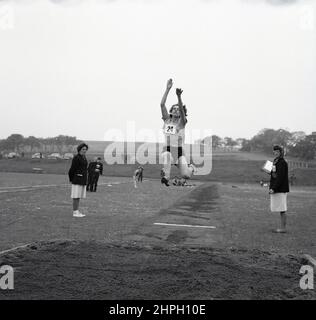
x: 78, y: 177
x: 279, y: 186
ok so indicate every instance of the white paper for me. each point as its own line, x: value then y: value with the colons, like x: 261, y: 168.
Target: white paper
x: 267, y: 166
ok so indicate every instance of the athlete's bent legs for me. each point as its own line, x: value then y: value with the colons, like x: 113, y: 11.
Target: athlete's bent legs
x: 185, y: 169
x: 167, y: 160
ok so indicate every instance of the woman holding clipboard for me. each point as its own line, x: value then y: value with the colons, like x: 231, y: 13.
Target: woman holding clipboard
x: 279, y: 186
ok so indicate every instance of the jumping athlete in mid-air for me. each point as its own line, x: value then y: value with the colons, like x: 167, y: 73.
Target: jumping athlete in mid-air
x: 174, y: 132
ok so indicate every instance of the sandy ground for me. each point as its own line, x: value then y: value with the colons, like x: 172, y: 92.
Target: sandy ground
x: 119, y: 252
x: 95, y: 270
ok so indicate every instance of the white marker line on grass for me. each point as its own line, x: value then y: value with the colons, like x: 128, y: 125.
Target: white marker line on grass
x: 310, y: 259
x: 23, y: 188
x: 29, y: 188
x: 14, y: 187
x: 50, y: 185
x: 183, y: 225
x: 35, y: 186
x: 19, y: 190
x: 15, y: 248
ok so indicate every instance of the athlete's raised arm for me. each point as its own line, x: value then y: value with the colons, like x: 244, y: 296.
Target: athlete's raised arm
x: 180, y: 104
x: 164, y: 111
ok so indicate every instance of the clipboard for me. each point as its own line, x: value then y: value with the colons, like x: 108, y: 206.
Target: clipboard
x: 267, y: 167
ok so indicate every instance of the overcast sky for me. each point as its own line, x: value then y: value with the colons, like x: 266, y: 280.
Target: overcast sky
x: 82, y: 67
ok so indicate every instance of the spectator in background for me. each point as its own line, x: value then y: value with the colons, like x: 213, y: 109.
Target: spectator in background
x: 292, y: 178
x: 279, y: 186
x: 91, y: 167
x: 78, y: 177
x: 138, y: 175
x: 97, y: 170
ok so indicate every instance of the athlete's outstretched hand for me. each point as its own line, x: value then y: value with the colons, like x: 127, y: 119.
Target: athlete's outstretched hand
x: 169, y: 84
x: 179, y: 92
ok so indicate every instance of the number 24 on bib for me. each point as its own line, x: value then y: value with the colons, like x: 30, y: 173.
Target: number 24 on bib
x: 170, y: 129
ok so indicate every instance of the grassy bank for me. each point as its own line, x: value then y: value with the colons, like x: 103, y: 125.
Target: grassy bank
x: 224, y: 169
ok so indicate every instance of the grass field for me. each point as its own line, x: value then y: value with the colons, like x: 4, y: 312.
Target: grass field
x: 226, y: 167
x: 119, y: 251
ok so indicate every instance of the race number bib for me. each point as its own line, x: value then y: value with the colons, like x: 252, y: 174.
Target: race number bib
x: 170, y: 129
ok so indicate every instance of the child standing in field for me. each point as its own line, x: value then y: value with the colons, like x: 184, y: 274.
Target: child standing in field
x: 138, y: 175
x: 279, y: 186
x: 95, y: 169
x: 98, y: 170
x: 90, y: 173
x: 78, y: 178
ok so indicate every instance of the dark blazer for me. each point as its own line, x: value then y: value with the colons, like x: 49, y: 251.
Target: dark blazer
x: 279, y: 181
x: 78, y: 170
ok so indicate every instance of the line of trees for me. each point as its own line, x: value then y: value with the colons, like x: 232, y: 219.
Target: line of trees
x: 218, y: 142
x: 18, y: 143
x: 297, y: 143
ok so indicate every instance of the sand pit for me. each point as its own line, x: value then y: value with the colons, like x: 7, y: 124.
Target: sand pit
x: 66, y: 269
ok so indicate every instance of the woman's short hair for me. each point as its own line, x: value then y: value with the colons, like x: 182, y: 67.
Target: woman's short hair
x: 82, y: 145
x: 279, y: 148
